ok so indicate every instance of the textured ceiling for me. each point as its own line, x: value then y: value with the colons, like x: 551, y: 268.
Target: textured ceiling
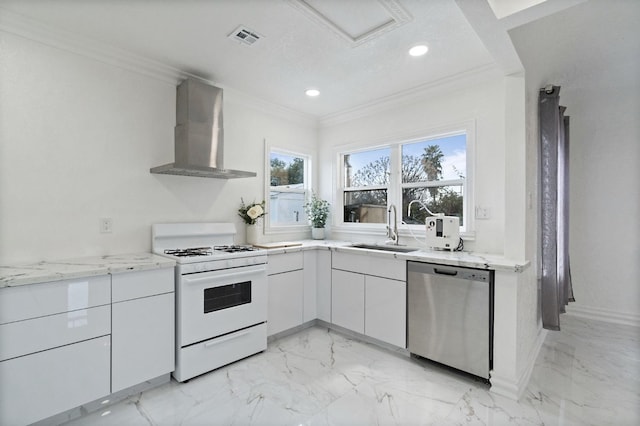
x: 298, y: 49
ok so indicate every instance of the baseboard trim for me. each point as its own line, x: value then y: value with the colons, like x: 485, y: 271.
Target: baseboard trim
x: 510, y: 388
x: 290, y: 331
x: 531, y: 362
x: 606, y: 315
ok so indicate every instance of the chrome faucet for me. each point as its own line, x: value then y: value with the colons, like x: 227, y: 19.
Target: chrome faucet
x: 392, y: 233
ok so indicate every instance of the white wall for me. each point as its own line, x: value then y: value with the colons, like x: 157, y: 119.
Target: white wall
x: 77, y: 139
x: 593, y: 52
x: 480, y: 98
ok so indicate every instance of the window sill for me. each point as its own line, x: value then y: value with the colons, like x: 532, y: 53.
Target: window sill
x: 287, y: 229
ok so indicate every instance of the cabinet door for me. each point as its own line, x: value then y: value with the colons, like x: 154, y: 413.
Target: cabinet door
x: 142, y: 340
x: 46, y: 383
x: 386, y: 310
x: 286, y: 301
x: 310, y: 285
x: 323, y: 285
x: 347, y: 300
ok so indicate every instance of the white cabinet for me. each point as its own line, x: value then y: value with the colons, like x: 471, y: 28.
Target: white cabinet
x: 386, y: 310
x: 369, y: 296
x: 143, y: 326
x: 317, y: 285
x: 286, y: 292
x: 43, y: 384
x: 54, y: 347
x: 347, y: 300
x: 323, y: 284
x: 310, y: 308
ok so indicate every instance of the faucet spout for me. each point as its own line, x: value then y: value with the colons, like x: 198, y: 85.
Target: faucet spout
x: 392, y: 232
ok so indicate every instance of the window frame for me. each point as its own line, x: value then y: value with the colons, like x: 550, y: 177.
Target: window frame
x: 344, y: 189
x: 270, y: 228
x: 396, y: 186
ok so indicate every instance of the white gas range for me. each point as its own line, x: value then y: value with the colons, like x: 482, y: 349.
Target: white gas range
x: 221, y: 295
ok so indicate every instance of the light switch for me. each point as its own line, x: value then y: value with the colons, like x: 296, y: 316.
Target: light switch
x: 106, y: 225
x: 482, y: 212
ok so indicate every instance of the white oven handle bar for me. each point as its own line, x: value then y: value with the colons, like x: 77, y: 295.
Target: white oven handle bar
x: 234, y: 275
x: 225, y: 339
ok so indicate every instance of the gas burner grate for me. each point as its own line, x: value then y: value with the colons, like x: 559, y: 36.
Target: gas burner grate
x: 189, y: 252
x: 233, y: 248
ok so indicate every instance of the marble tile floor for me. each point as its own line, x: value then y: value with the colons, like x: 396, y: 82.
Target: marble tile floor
x: 587, y: 374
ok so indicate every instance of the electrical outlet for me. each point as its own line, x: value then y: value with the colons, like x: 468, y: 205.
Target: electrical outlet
x: 482, y: 212
x: 106, y: 225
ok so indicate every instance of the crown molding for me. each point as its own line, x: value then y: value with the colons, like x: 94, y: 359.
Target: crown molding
x: 34, y: 30
x: 247, y: 100
x: 453, y: 82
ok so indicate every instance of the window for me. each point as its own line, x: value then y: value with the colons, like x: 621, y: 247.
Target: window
x: 432, y: 170
x: 288, y: 184
x: 366, y: 185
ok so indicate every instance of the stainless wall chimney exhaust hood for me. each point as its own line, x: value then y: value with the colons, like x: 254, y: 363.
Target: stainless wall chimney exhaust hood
x: 199, y: 135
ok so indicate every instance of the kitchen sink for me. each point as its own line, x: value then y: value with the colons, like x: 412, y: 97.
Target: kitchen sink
x: 396, y: 249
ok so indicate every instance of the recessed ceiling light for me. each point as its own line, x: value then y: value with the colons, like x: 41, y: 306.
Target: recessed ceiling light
x: 312, y: 92
x: 418, y: 50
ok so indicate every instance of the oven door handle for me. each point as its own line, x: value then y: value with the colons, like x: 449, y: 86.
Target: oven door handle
x: 234, y: 275
x: 226, y: 338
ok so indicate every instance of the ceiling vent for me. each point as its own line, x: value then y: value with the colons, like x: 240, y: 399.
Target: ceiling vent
x: 245, y: 35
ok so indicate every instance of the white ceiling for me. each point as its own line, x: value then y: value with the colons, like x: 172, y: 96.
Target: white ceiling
x: 354, y: 52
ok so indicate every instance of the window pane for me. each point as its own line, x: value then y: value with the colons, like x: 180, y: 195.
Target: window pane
x: 286, y: 208
x: 287, y: 189
x: 365, y: 206
x: 287, y: 170
x: 435, y: 159
x: 367, y: 168
x: 439, y: 199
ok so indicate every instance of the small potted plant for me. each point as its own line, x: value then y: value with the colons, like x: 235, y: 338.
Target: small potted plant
x: 252, y: 215
x: 317, y: 211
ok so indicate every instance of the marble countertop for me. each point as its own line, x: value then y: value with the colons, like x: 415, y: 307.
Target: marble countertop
x: 11, y: 276
x: 456, y: 258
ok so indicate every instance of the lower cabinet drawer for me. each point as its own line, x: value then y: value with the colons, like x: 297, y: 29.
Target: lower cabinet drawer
x: 39, y: 300
x: 202, y: 357
x: 39, y: 334
x: 43, y: 384
x: 133, y: 285
x: 279, y: 263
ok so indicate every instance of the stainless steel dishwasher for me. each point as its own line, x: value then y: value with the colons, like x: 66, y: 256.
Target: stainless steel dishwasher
x: 450, y: 316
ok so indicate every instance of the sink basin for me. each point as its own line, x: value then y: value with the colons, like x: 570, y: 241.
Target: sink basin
x: 397, y: 249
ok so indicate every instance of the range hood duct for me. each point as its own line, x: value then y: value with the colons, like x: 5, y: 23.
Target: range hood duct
x: 199, y: 135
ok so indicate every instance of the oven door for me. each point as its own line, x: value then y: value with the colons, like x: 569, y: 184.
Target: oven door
x: 214, y: 303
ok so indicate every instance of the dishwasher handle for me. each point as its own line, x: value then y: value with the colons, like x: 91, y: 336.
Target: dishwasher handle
x: 445, y: 272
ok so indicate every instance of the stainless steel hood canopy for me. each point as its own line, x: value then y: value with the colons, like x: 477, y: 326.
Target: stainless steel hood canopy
x: 199, y: 135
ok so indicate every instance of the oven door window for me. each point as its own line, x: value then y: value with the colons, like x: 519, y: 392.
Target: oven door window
x: 227, y: 296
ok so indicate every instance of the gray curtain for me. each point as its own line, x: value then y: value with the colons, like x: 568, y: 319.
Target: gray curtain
x: 556, y: 289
